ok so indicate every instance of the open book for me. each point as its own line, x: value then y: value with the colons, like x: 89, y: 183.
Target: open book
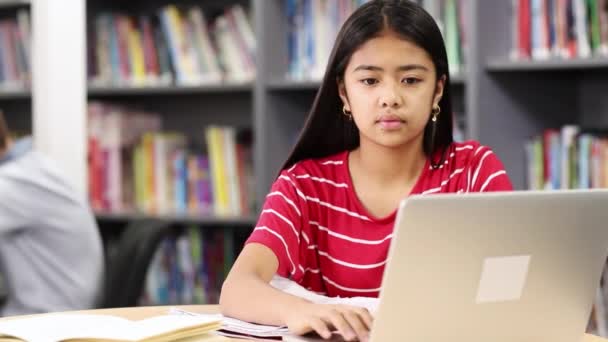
x: 98, y: 328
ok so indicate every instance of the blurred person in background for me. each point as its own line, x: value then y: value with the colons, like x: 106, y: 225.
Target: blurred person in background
x: 51, y: 256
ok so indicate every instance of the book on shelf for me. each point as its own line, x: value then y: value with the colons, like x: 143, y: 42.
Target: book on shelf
x: 15, y: 51
x: 174, y: 46
x: 567, y: 158
x: 451, y: 18
x: 99, y: 328
x: 189, y: 267
x: 565, y: 29
x: 135, y: 166
x: 312, y: 27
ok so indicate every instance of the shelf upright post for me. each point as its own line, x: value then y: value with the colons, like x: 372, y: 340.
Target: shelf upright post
x: 59, y: 85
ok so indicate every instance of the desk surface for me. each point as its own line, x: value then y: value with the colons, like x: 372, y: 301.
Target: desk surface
x: 136, y: 313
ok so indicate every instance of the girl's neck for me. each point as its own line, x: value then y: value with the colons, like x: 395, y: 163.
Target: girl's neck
x: 390, y: 165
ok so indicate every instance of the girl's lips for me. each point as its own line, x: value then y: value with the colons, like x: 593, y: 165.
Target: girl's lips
x: 391, y: 124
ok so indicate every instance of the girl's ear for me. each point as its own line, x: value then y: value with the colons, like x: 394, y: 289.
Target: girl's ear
x: 439, y: 90
x: 343, y: 95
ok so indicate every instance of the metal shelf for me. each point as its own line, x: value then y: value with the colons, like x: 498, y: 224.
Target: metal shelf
x: 547, y: 65
x: 13, y: 3
x: 286, y: 84
x: 168, y: 90
x: 14, y: 94
x: 245, y: 222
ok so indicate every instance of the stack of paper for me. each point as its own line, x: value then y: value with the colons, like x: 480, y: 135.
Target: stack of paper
x: 236, y: 328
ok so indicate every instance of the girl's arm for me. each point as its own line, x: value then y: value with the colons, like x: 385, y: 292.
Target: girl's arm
x: 274, y: 248
x: 247, y: 295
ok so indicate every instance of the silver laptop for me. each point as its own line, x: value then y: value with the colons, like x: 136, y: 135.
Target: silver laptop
x: 500, y: 267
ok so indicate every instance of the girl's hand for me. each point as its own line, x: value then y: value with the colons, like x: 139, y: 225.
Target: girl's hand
x: 351, y: 322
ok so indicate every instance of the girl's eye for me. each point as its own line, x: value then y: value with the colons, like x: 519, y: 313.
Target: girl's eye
x: 410, y: 80
x: 369, y: 81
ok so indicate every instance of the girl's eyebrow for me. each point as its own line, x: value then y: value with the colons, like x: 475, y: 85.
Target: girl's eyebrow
x: 407, y: 67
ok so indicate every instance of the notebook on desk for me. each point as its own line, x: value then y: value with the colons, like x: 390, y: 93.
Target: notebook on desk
x: 99, y: 328
x: 500, y: 267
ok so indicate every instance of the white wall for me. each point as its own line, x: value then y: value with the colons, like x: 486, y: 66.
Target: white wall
x: 59, y: 84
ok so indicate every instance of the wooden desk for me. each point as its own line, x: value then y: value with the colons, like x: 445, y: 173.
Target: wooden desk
x: 136, y: 313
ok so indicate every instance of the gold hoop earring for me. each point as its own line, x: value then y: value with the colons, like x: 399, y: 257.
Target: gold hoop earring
x: 347, y: 113
x: 435, y: 113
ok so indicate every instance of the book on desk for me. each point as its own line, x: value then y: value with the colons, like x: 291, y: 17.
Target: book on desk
x: 99, y: 328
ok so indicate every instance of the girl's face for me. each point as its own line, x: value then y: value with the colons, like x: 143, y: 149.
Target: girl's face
x: 390, y: 87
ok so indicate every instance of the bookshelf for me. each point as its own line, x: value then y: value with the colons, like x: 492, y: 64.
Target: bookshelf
x: 15, y: 100
x: 521, y: 98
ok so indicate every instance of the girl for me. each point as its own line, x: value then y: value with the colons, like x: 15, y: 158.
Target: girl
x: 380, y: 129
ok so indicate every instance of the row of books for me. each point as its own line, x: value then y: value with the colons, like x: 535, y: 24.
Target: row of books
x: 189, y: 267
x: 567, y: 158
x: 312, y: 27
x: 566, y: 29
x: 174, y: 46
x: 15, y: 52
x: 450, y: 16
x: 135, y: 166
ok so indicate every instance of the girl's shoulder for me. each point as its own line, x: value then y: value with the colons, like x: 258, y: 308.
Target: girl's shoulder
x: 467, y: 153
x: 467, y: 166
x: 466, y: 147
x: 319, y: 175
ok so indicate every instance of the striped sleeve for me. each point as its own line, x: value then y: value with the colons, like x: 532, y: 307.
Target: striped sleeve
x: 279, y: 226
x: 487, y: 172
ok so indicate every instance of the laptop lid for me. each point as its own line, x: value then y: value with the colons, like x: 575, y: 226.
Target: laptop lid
x: 512, y: 266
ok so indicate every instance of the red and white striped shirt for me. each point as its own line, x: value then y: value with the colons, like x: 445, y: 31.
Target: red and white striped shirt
x: 324, y: 238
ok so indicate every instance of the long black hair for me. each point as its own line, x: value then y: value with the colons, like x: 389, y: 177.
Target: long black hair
x: 327, y: 131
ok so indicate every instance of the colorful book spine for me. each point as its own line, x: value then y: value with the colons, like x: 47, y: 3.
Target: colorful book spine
x: 568, y: 158
x: 174, y: 45
x: 563, y: 29
x: 136, y: 166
